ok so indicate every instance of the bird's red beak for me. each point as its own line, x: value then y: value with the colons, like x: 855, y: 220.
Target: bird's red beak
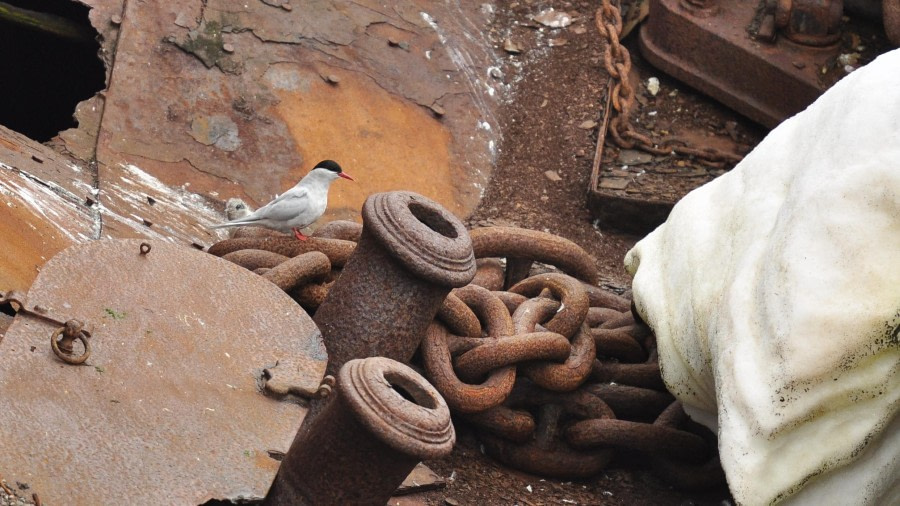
x: 345, y: 176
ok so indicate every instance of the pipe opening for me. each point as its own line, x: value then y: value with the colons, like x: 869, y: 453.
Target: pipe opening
x: 432, y: 219
x: 50, y: 63
x: 410, y: 390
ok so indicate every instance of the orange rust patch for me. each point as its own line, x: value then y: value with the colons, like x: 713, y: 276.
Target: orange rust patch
x: 384, y: 142
x: 28, y: 241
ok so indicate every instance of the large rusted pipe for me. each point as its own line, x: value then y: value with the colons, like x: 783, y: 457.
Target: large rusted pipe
x: 411, y: 253
x: 383, y: 419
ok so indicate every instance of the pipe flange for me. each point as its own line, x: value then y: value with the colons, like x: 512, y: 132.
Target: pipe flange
x: 398, y: 405
x: 423, y: 236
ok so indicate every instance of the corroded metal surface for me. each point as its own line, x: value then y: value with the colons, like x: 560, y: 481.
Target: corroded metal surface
x: 412, y: 252
x: 786, y: 77
x: 168, y: 408
x: 38, y: 219
x: 154, y: 157
x: 212, y: 115
x: 383, y: 419
x: 562, y: 376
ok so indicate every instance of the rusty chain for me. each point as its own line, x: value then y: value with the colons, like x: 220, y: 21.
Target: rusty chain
x: 570, y: 423
x: 617, y: 61
x: 554, y: 372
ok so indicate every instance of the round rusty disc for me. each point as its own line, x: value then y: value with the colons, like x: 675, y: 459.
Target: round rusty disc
x: 169, y: 408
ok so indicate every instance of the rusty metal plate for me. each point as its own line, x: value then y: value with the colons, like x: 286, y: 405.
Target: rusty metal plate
x: 168, y: 408
x: 777, y: 90
x: 240, y: 99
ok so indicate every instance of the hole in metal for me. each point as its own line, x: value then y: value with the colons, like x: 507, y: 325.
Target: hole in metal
x: 410, y: 390
x: 7, y: 309
x: 433, y: 219
x: 50, y: 64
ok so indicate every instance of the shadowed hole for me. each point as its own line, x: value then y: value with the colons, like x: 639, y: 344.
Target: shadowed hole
x: 7, y: 309
x: 49, y: 63
x: 432, y: 219
x: 410, y: 390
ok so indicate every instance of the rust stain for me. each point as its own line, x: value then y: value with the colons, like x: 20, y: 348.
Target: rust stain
x: 28, y: 240
x: 385, y: 142
x: 35, y: 224
x: 171, y: 389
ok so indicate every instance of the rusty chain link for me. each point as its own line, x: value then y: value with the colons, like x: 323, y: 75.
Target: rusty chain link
x: 554, y: 372
x: 617, y: 61
x: 599, y: 399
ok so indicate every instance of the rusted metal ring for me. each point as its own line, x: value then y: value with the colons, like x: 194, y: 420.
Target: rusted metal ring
x: 539, y: 246
x: 513, y: 424
x: 644, y: 437
x: 619, y: 344
x: 573, y: 372
x: 145, y: 248
x: 565, y: 288
x: 474, y: 364
x: 66, y: 357
x: 545, y: 452
x: 421, y: 235
x: 559, y: 461
x: 462, y: 397
x: 489, y: 274
x: 682, y: 474
x: 458, y: 317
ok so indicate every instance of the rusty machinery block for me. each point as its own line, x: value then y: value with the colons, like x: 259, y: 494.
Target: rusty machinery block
x: 767, y: 76
x: 383, y: 419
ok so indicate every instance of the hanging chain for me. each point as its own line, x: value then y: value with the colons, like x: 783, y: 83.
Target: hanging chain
x: 617, y: 61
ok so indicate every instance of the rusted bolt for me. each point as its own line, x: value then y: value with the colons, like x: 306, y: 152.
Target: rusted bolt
x: 63, y: 347
x: 145, y: 248
x: 411, y: 253
x: 810, y: 22
x: 382, y: 419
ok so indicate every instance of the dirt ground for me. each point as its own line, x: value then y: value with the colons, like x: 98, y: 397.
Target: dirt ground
x: 554, y: 90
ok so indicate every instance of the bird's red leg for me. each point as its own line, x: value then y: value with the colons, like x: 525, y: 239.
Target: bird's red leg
x: 299, y: 235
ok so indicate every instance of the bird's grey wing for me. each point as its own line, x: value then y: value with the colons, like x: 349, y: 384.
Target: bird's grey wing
x: 288, y: 205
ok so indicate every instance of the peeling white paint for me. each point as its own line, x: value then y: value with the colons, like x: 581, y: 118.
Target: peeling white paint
x: 44, y: 200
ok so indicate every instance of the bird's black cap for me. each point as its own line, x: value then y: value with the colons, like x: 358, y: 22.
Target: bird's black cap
x: 330, y: 165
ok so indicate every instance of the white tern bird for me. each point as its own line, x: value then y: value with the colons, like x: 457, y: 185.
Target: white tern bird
x: 298, y: 207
